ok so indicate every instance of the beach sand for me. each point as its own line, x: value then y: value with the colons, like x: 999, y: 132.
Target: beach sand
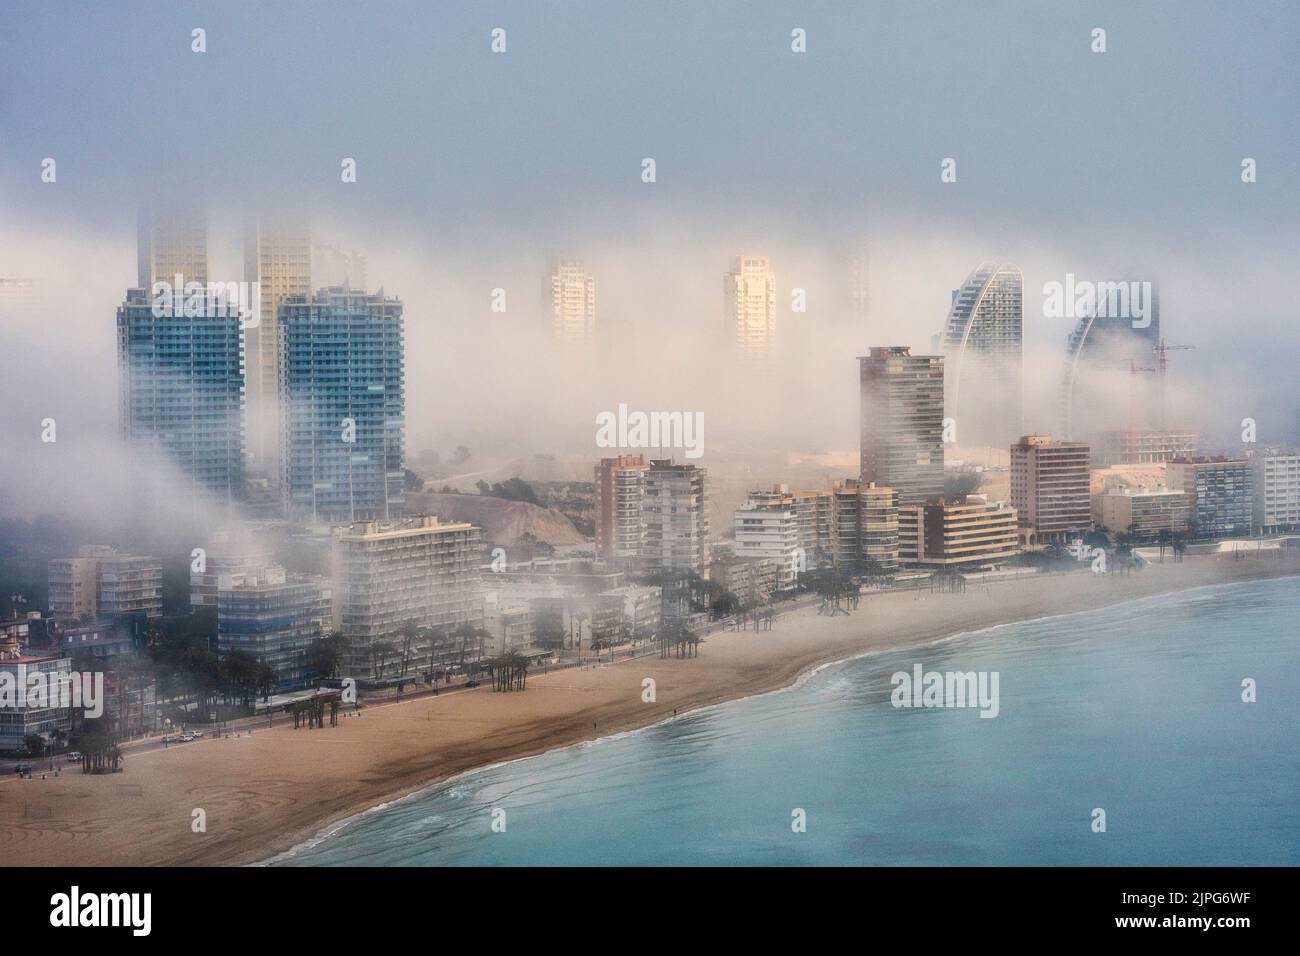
x: 266, y: 792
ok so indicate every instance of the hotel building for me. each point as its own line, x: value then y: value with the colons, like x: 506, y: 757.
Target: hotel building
x: 965, y: 534
x: 342, y: 406
x: 865, y: 527
x: 1144, y: 512
x: 620, y: 484
x: 1277, y: 492
x: 275, y: 621
x: 388, y: 574
x: 1220, y: 494
x: 984, y: 355
x: 1049, y: 489
x: 674, y: 519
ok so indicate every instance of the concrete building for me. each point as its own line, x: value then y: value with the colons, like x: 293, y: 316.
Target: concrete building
x: 749, y: 309
x: 620, y: 485
x: 1220, y: 494
x: 865, y: 528
x: 1049, y: 489
x: 1276, y: 492
x: 571, y: 297
x: 229, y: 555
x: 275, y: 620
x: 100, y: 582
x: 277, y: 256
x: 902, y: 422
x: 1144, y: 512
x: 342, y: 406
x: 408, y: 571
x: 751, y: 580
x: 964, y: 534
x: 984, y: 355
x: 18, y: 719
x: 674, y: 518
x: 509, y: 627
x: 813, y: 516
x: 768, y: 529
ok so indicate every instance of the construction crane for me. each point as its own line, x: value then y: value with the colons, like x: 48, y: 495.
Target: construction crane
x: 1162, y: 348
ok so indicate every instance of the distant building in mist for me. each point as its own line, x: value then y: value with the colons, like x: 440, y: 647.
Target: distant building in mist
x: 1050, y: 489
x: 414, y: 572
x: 983, y: 350
x: 571, y: 296
x: 674, y: 518
x: 277, y: 256
x: 99, y: 582
x: 902, y: 422
x: 171, y: 240
x: 342, y: 406
x: 1220, y: 494
x: 860, y: 286
x: 181, y: 395
x: 333, y: 267
x: 749, y: 309
x: 620, y: 485
x: 1144, y: 446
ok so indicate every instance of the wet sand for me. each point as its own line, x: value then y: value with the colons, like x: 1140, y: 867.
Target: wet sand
x: 266, y: 792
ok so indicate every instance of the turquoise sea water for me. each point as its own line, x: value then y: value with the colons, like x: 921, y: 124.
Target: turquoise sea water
x: 1135, y: 709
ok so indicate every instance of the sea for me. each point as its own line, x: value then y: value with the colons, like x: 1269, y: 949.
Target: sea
x: 1162, y: 731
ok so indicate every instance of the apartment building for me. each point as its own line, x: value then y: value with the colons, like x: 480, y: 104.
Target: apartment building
x: 1050, y: 489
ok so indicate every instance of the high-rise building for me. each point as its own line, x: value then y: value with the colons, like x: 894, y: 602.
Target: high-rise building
x: 1144, y: 446
x: 277, y: 256
x: 970, y: 532
x: 275, y: 620
x: 571, y: 295
x: 674, y: 519
x: 902, y: 422
x: 865, y: 527
x: 620, y: 484
x: 1277, y: 492
x: 229, y: 555
x: 342, y: 406
x: 172, y: 240
x: 749, y: 309
x: 1220, y: 494
x: 984, y: 356
x: 181, y: 393
x: 1143, y: 512
x: 388, y: 575
x: 1050, y: 489
x: 813, y: 516
x: 100, y: 582
x: 770, y: 529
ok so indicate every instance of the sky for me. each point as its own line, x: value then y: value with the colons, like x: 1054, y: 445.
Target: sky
x: 473, y: 168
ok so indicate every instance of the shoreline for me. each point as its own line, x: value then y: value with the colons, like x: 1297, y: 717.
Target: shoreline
x: 804, y: 676
x: 251, y: 788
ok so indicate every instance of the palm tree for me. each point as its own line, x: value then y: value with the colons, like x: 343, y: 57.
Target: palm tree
x: 1164, y: 538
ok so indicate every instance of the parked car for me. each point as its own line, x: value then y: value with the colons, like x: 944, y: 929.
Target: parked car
x: 22, y: 768
x: 471, y: 683
x: 185, y: 738
x: 74, y: 755
x: 196, y: 734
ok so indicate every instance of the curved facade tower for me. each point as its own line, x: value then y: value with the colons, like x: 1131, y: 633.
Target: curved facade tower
x: 983, y: 347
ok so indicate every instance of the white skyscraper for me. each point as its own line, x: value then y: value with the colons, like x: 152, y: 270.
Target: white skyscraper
x: 572, y: 298
x: 749, y: 319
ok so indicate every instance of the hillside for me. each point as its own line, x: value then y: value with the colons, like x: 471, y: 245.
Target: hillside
x: 503, y: 522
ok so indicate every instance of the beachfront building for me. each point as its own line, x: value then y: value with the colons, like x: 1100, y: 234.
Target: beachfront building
x: 1220, y: 494
x: 749, y: 310
x: 571, y: 295
x: 751, y: 580
x: 1277, y: 492
x: 984, y: 354
x: 275, y: 621
x: 813, y: 517
x: 865, y: 527
x: 100, y: 582
x: 342, y: 406
x: 388, y: 575
x: 620, y: 484
x: 1145, y: 513
x: 768, y: 529
x: 902, y: 422
x: 18, y: 720
x: 968, y: 533
x: 509, y: 627
x: 673, y: 516
x: 1050, y: 489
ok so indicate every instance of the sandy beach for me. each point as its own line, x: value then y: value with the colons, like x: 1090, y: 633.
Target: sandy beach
x: 266, y: 792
